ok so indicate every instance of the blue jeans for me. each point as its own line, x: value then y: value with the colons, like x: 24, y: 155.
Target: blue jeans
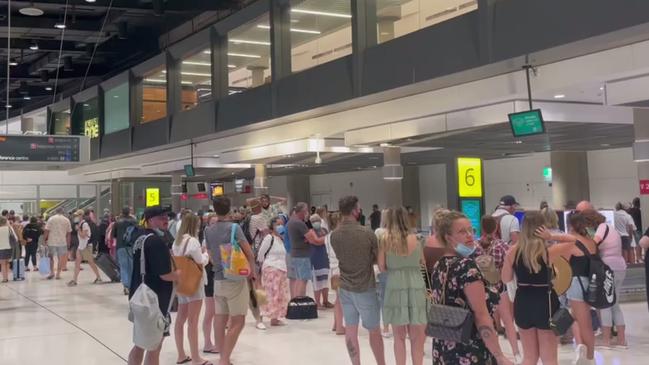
x: 125, y: 261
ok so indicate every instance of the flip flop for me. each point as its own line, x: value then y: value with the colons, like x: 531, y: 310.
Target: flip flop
x: 185, y: 361
x: 210, y: 352
x: 207, y: 363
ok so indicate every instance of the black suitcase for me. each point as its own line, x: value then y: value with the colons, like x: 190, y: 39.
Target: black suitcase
x: 107, y: 264
x: 302, y: 308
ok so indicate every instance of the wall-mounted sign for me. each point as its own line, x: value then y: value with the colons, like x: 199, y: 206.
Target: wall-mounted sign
x: 43, y: 149
x: 644, y: 187
x: 469, y: 177
x: 152, y: 197
x: 238, y: 185
x: 472, y: 208
x: 217, y: 190
x: 200, y: 196
x: 547, y: 174
x: 91, y: 128
x: 527, y: 123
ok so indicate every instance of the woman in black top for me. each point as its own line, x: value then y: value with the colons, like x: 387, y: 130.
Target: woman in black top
x: 31, y: 234
x: 528, y: 260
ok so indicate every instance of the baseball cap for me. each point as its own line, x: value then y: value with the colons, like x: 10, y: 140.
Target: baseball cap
x: 156, y: 211
x: 508, y: 201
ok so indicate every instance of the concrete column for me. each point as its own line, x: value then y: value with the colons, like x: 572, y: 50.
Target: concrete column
x: 115, y: 201
x: 98, y: 207
x: 452, y: 193
x: 386, y: 28
x: 299, y: 190
x: 410, y: 189
x: 569, y: 178
x: 260, y: 183
x: 257, y: 75
x: 641, y: 134
x: 176, y: 191
x: 392, y: 176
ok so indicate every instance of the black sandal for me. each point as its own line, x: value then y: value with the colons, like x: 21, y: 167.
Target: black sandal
x: 185, y: 361
x: 214, y: 352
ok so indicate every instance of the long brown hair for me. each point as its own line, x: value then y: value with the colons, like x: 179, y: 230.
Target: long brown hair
x: 397, y: 229
x: 190, y: 225
x: 530, y: 247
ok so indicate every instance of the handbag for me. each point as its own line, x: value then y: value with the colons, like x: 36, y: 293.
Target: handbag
x: 191, y: 274
x: 234, y: 261
x: 445, y: 322
x: 561, y: 320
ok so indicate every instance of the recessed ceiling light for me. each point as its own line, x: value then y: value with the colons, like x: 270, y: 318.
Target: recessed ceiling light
x: 91, y: 1
x: 294, y: 30
x: 59, y: 25
x: 248, y: 41
x: 323, y: 13
x: 13, y: 63
x: 243, y: 55
x: 27, y: 98
x: 48, y: 88
x: 34, y: 46
x: 8, y: 106
x: 601, y: 88
x: 31, y: 11
x: 518, y: 142
x: 559, y: 96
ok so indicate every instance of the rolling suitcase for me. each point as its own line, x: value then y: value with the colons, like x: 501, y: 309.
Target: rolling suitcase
x: 108, y: 265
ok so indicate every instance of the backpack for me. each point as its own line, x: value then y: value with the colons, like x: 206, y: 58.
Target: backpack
x: 245, y: 227
x: 487, y: 265
x: 600, y: 293
x: 94, y: 232
x: 132, y: 233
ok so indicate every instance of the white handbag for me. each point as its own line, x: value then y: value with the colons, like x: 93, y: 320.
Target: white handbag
x: 149, y: 322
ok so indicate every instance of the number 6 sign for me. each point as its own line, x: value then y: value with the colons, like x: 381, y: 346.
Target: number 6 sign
x: 469, y: 172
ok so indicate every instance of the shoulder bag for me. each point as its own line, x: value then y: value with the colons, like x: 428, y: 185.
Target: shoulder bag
x: 234, y: 261
x: 447, y: 322
x: 561, y: 320
x: 191, y: 273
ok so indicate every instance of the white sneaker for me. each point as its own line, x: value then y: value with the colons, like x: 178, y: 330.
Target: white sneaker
x: 581, y: 356
x: 261, y: 326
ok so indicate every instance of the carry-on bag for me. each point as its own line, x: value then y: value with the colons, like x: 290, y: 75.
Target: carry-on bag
x: 107, y: 264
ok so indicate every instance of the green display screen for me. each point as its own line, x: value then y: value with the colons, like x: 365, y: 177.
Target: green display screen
x: 527, y: 123
x: 472, y: 208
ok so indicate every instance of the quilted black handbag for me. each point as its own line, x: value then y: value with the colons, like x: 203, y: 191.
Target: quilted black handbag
x: 447, y: 322
x: 561, y: 320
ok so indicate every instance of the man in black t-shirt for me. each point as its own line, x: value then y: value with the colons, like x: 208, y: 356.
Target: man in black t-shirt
x: 159, y: 274
x: 375, y: 218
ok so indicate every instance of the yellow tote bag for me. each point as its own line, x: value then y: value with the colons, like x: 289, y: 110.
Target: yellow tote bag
x: 234, y: 261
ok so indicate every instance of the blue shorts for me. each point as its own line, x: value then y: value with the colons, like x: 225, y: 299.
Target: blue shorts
x: 361, y: 306
x: 300, y: 268
x: 575, y: 292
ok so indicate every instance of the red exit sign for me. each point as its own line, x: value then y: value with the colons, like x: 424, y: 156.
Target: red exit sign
x: 644, y: 187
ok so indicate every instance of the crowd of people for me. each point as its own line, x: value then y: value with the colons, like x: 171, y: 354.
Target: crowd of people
x: 386, y: 276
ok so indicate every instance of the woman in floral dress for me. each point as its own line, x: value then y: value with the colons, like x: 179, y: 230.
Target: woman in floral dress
x: 457, y: 277
x: 272, y: 258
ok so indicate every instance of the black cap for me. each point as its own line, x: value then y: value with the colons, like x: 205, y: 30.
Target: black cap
x: 508, y: 201
x: 156, y: 211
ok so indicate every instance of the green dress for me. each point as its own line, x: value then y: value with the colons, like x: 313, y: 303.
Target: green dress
x: 405, y: 291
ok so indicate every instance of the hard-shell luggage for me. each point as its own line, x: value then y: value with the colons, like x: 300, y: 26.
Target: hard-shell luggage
x: 18, y: 269
x: 108, y: 265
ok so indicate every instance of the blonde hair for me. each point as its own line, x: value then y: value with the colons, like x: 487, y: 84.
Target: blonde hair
x: 437, y: 215
x: 551, y: 218
x: 315, y: 218
x: 190, y: 225
x: 444, y: 225
x: 334, y: 218
x: 531, y: 249
x: 397, y: 229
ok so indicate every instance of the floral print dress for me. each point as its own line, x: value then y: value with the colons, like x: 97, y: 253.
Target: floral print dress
x: 462, y: 271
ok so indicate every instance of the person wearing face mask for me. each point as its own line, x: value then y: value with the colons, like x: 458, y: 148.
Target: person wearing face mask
x: 272, y: 259
x: 320, y: 263
x: 457, y: 281
x: 189, y: 307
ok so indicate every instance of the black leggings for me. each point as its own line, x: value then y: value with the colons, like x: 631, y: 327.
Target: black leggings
x: 30, y: 251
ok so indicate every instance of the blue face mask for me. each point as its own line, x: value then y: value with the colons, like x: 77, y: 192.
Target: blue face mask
x: 464, y: 250
x: 317, y: 226
x: 280, y: 230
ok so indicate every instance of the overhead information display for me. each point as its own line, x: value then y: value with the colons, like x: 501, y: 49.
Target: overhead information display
x: 44, y: 149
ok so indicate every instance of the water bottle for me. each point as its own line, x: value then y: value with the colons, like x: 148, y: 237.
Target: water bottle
x: 592, y: 290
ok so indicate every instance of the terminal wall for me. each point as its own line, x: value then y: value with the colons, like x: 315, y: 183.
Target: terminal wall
x: 613, y: 177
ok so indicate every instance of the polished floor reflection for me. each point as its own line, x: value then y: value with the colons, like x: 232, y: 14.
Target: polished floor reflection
x: 45, y: 322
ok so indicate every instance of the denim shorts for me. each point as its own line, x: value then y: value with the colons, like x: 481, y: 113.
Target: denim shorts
x: 300, y: 268
x: 575, y: 292
x: 361, y: 306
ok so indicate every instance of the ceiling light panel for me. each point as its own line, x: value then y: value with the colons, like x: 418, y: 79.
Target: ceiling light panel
x: 321, y: 13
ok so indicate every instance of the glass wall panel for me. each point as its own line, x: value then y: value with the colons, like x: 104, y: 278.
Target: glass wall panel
x: 14, y: 127
x: 249, y: 55
x: 35, y: 122
x: 85, y: 118
x: 396, y: 18
x: 321, y: 31
x: 196, y: 79
x: 62, y: 122
x: 116, y: 109
x: 154, y: 95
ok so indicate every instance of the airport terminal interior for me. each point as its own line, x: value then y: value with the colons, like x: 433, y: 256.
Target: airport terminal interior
x: 387, y: 145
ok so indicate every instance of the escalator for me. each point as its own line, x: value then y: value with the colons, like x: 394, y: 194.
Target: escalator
x: 69, y: 205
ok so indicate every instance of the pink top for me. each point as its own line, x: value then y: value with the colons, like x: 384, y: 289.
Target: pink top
x: 610, y: 249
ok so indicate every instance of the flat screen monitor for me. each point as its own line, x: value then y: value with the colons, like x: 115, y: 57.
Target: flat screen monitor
x: 609, y: 214
x: 216, y: 190
x: 527, y: 123
x: 189, y: 171
x: 472, y: 208
x: 201, y: 187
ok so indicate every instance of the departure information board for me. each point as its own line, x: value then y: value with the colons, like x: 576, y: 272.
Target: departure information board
x: 43, y: 149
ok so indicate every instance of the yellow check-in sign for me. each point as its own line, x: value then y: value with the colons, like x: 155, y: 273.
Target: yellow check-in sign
x: 152, y: 197
x: 469, y: 177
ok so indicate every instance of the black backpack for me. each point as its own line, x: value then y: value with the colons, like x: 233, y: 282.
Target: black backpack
x: 131, y: 234
x: 600, y: 293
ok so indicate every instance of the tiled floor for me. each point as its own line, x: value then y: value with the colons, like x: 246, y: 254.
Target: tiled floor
x: 45, y: 322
